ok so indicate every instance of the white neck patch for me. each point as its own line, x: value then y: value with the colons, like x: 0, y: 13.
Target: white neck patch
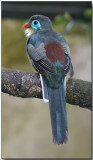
x: 28, y: 32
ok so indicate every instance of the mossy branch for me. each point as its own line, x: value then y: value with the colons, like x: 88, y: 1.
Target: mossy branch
x: 27, y: 85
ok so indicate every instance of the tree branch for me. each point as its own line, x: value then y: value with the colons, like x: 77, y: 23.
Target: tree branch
x: 27, y: 85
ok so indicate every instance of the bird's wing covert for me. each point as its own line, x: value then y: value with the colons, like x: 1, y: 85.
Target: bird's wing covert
x: 39, y: 58
x: 68, y: 63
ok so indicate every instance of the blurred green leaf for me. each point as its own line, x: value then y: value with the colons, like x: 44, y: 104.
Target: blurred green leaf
x: 62, y: 19
x: 73, y: 26
x: 88, y: 13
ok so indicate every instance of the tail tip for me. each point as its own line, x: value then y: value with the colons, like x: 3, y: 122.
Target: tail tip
x: 60, y: 141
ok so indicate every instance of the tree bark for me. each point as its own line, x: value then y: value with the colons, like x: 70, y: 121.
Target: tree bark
x: 27, y: 85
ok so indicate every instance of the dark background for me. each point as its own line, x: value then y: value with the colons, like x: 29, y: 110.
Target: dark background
x: 51, y: 9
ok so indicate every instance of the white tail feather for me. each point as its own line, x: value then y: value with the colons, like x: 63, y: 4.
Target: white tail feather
x: 44, y: 88
x: 65, y: 85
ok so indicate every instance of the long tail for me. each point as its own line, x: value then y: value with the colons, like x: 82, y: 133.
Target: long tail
x: 57, y: 105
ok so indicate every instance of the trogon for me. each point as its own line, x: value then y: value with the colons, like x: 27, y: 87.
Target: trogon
x: 50, y: 56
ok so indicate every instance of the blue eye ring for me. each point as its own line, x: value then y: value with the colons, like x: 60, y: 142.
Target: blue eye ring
x: 35, y: 24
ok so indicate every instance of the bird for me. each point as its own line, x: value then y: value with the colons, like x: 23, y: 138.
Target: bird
x: 49, y: 53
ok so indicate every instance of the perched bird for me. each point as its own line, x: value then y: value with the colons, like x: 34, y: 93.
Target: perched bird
x: 50, y: 56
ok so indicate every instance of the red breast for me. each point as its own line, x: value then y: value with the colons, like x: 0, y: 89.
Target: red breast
x: 54, y: 52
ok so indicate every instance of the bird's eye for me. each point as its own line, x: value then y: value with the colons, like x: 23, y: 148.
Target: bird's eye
x: 35, y: 24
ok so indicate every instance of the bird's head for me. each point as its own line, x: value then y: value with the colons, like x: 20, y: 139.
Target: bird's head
x: 37, y: 23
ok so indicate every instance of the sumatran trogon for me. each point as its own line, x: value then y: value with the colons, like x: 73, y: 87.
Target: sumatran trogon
x: 50, y: 56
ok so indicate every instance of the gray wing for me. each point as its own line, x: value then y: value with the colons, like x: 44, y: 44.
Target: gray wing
x: 39, y: 59
x: 68, y: 64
